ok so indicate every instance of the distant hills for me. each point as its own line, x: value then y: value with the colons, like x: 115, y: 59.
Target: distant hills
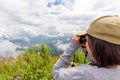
x: 52, y: 41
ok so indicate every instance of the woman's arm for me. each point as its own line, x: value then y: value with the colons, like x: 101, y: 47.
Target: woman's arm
x: 62, y: 63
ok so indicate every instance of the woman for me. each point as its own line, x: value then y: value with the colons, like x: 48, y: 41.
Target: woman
x: 102, y: 44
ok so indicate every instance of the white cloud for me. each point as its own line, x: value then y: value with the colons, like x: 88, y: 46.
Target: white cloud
x: 7, y: 48
x: 94, y: 6
x: 34, y: 17
x: 60, y: 45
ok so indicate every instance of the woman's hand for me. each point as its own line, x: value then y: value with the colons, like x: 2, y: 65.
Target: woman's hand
x: 76, y: 40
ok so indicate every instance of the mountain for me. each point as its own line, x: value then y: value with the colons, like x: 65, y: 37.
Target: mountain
x: 52, y: 41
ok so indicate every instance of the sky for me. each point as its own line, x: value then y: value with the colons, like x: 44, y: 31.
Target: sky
x: 39, y: 17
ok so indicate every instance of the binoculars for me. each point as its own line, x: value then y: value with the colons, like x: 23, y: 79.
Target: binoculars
x: 82, y: 39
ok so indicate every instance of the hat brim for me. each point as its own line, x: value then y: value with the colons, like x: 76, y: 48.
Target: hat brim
x: 81, y: 33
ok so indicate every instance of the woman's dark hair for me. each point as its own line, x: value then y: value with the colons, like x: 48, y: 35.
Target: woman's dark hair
x: 105, y: 53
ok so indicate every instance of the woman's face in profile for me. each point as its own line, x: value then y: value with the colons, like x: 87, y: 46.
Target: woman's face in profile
x: 88, y: 48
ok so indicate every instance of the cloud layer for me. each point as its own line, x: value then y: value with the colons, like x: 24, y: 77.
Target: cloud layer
x: 41, y: 17
x: 7, y: 49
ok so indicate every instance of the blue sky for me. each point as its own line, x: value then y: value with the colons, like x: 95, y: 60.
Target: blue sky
x: 56, y: 2
x: 35, y: 17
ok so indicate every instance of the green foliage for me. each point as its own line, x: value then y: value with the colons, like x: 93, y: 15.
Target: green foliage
x: 34, y: 63
x: 79, y: 58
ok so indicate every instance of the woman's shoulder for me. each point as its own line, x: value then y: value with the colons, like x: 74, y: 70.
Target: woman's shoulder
x: 99, y: 72
x: 93, y: 68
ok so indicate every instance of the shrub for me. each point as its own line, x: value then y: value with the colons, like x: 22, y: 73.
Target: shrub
x: 34, y: 63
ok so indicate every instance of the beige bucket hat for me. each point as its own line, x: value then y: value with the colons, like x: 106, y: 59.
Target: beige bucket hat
x: 106, y: 28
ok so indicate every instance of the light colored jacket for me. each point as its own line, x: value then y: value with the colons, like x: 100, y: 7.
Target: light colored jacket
x: 82, y: 72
